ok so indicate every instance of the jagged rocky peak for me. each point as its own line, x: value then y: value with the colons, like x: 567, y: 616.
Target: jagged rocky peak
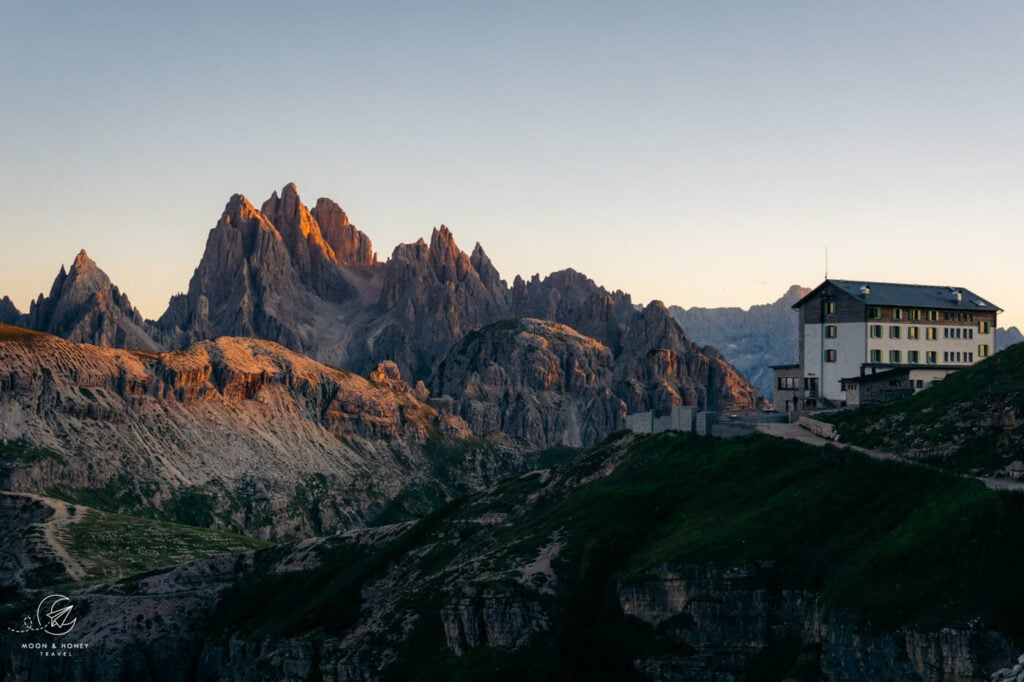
x: 351, y: 246
x: 298, y: 228
x: 85, y: 306
x: 238, y: 210
x: 9, y: 313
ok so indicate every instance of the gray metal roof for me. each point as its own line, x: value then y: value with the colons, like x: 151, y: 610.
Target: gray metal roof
x: 910, y: 295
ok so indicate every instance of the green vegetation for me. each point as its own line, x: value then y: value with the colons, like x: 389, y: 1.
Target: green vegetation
x: 117, y: 546
x: 898, y: 546
x: 20, y: 452
x: 967, y: 422
x: 451, y: 461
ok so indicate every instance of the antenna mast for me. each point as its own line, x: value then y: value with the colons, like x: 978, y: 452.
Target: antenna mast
x: 826, y: 262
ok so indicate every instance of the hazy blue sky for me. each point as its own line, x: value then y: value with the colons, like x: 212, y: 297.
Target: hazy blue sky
x: 702, y: 153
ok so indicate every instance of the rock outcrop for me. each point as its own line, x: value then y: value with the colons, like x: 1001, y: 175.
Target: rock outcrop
x: 537, y: 380
x: 272, y: 443
x: 550, y: 385
x: 351, y: 247
x: 84, y: 306
x: 729, y: 620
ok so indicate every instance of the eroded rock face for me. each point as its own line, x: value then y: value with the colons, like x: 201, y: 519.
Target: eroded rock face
x: 251, y: 426
x: 502, y: 619
x: 432, y: 295
x: 84, y: 306
x: 351, y: 247
x: 550, y: 385
x: 723, y: 619
x: 533, y: 379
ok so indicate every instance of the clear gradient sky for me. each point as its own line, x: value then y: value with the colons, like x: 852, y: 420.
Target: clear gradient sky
x: 701, y: 153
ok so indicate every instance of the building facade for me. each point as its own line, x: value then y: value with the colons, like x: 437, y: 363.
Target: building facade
x: 851, y: 329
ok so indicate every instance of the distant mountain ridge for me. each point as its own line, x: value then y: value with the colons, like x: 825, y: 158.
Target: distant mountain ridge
x: 751, y: 340
x: 310, y: 281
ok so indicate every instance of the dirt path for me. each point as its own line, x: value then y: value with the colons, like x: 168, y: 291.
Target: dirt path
x: 798, y: 433
x: 53, y: 526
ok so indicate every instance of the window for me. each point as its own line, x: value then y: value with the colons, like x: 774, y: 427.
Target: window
x: 913, y: 356
x: 970, y: 333
x: 983, y: 328
x: 915, y: 314
x: 876, y: 331
x: 894, y: 356
x: 876, y: 355
x: 830, y: 308
x: 894, y: 332
x: 945, y: 332
x: 945, y: 356
x: 830, y: 331
x: 789, y: 383
x: 932, y: 333
x: 958, y: 356
x: 913, y: 332
x: 932, y: 357
x: 830, y: 355
x: 875, y: 313
x: 983, y: 350
x: 933, y: 315
x: 897, y: 313
x: 958, y: 332
x: 970, y: 356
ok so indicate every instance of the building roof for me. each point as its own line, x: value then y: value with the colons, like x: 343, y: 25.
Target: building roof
x: 909, y: 295
x: 899, y: 370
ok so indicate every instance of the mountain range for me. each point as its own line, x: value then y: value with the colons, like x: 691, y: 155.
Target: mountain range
x: 309, y: 280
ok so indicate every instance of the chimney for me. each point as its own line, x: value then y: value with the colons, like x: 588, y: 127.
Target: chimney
x: 958, y: 296
x: 865, y: 290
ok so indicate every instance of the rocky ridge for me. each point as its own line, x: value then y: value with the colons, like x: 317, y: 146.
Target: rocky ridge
x: 240, y: 434
x: 310, y: 281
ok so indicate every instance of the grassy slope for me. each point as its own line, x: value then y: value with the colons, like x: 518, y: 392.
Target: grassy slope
x: 117, y: 546
x: 959, y: 422
x: 898, y: 546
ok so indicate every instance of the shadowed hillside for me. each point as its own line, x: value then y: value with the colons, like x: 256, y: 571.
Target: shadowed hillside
x: 969, y: 421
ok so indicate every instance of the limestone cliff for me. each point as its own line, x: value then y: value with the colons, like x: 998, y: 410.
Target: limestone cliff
x: 269, y: 442
x: 537, y: 380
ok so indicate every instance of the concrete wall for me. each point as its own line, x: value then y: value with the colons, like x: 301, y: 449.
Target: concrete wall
x: 823, y: 429
x: 850, y: 354
x: 641, y: 422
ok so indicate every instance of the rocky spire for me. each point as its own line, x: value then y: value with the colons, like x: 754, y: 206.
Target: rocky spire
x: 298, y: 228
x: 84, y: 306
x: 351, y: 247
x: 9, y: 313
